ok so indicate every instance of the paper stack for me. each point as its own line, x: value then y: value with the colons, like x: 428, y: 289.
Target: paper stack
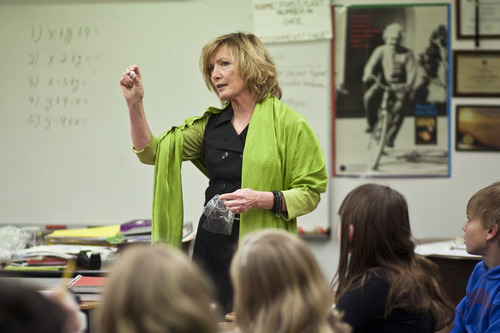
x: 84, y: 236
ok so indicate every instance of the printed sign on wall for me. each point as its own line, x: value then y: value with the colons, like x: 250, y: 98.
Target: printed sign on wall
x: 290, y: 21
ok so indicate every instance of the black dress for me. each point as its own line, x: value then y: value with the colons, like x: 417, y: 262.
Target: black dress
x: 223, y: 161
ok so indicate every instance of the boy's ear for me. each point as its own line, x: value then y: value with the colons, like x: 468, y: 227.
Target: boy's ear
x: 492, y: 232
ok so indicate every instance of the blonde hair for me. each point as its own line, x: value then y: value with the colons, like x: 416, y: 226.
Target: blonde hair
x: 254, y: 63
x: 279, y: 286
x: 156, y: 289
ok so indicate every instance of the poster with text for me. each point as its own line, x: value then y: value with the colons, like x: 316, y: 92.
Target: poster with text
x: 292, y: 21
x: 391, y: 91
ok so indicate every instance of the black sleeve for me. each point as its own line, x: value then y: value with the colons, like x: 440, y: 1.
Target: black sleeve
x: 364, y: 305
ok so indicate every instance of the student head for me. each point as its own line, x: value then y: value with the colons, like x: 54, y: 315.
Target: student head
x: 279, y: 285
x: 483, y: 218
x: 156, y: 289
x: 253, y: 62
x: 23, y: 309
x: 374, y: 229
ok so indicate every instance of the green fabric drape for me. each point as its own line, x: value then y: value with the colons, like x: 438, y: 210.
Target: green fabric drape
x: 279, y: 141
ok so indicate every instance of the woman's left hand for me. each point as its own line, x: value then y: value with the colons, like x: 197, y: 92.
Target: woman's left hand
x: 244, y: 199
x: 240, y: 200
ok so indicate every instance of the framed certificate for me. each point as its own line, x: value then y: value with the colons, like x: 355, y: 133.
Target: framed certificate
x: 477, y: 128
x: 475, y: 73
x: 478, y: 19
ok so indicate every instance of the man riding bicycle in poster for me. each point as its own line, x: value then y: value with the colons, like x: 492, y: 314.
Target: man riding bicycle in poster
x: 395, y: 65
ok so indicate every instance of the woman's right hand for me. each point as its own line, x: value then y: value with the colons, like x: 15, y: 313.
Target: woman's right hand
x: 131, y: 83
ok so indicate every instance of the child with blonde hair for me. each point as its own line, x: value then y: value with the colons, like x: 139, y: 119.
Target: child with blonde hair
x: 156, y: 289
x: 279, y: 287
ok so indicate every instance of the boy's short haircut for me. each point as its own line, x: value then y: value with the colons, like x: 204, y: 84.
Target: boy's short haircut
x: 485, y: 205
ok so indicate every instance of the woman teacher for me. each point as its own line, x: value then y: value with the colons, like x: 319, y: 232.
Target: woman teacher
x: 261, y: 157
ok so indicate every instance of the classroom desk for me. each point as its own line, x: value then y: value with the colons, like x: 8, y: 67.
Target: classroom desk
x: 454, y: 273
x: 455, y: 264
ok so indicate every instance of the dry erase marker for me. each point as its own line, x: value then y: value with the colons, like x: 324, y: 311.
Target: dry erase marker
x: 131, y: 74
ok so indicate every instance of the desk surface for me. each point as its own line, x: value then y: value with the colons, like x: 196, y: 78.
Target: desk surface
x: 451, y: 248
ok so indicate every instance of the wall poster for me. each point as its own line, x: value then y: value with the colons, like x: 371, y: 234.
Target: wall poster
x: 391, y: 94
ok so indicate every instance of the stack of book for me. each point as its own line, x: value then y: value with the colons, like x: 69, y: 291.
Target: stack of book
x: 139, y: 231
x: 88, y: 288
x: 136, y: 231
x: 42, y: 259
x: 55, y: 257
x: 84, y: 236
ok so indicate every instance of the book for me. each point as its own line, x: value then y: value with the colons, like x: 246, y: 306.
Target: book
x: 83, y: 284
x: 46, y: 261
x: 89, y: 297
x: 426, y: 130
x: 88, y: 236
x: 136, y: 227
x: 18, y: 267
x: 137, y: 239
x: 139, y: 231
x: 425, y: 124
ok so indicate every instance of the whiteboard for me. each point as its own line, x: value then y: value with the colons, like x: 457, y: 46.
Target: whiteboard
x: 64, y: 124
x: 304, y: 70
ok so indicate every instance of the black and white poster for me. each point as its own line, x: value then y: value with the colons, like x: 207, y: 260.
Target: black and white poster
x: 391, y: 96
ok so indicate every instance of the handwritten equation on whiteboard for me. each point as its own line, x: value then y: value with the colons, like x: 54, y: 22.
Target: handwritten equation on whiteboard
x: 57, y: 66
x: 303, y: 84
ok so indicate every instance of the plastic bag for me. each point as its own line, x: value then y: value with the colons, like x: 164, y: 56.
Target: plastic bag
x: 12, y: 239
x: 219, y: 220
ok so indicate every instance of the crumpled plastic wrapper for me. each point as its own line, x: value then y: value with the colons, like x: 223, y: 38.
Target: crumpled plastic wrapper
x: 219, y: 219
x: 12, y: 239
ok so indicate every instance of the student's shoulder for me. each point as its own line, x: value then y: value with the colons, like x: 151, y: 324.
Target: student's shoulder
x: 479, y: 270
x: 494, y: 272
x: 377, y: 278
x: 480, y: 267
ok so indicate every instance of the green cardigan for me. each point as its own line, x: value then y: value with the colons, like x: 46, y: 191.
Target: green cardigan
x: 281, y: 152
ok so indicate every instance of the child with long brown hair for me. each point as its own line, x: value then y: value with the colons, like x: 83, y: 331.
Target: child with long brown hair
x: 381, y: 284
